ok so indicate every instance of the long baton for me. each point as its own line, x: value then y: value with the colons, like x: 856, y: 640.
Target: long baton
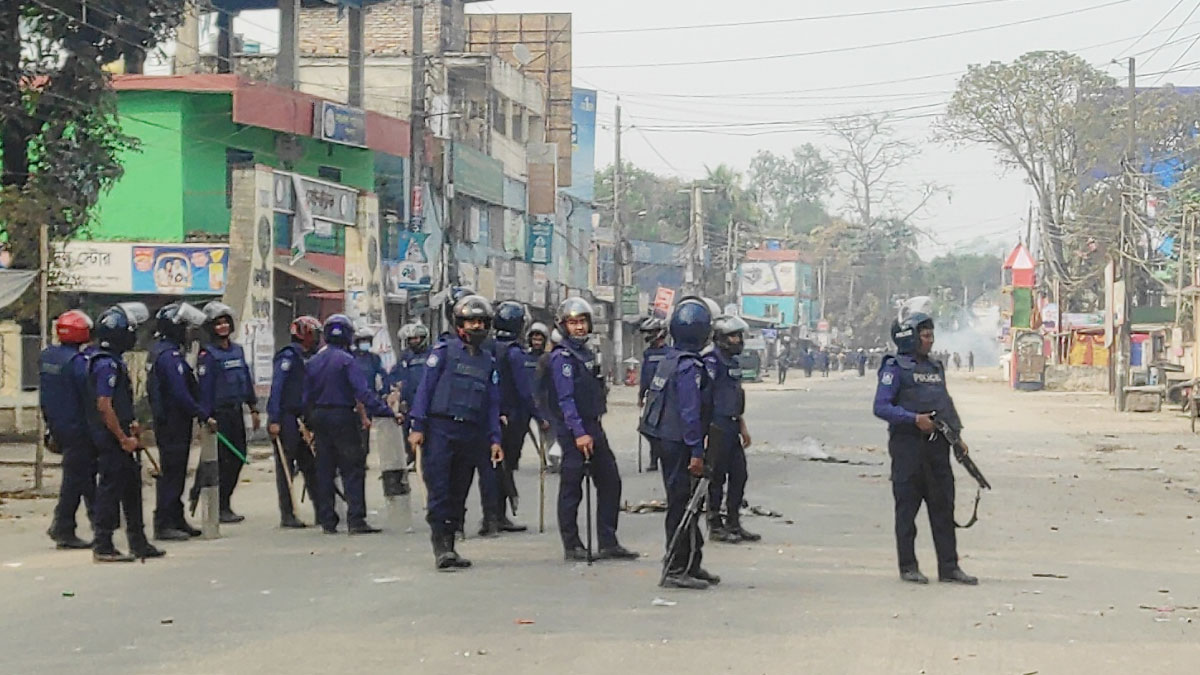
x: 287, y: 471
x: 231, y: 447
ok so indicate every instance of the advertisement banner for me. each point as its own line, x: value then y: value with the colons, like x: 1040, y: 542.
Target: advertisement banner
x: 506, y: 279
x: 540, y: 283
x: 413, y: 271
x: 538, y: 246
x: 256, y: 322
x: 767, y: 278
x: 663, y: 299
x: 583, y: 144
x: 152, y: 269
x: 524, y: 282
x: 478, y: 175
x: 514, y: 232
x: 337, y: 123
x: 542, y: 190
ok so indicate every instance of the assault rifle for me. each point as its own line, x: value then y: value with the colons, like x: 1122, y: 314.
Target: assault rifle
x: 960, y: 452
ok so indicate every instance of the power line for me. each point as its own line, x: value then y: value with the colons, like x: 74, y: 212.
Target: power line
x: 1151, y: 30
x: 799, y: 19
x: 838, y: 50
x: 1178, y: 58
x: 1173, y: 33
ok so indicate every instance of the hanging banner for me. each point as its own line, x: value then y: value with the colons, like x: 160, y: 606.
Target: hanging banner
x: 538, y: 245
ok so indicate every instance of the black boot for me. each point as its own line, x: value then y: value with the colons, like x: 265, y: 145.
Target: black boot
x: 718, y: 532
x: 103, y: 551
x: 141, y: 548
x: 443, y: 558
x: 958, y: 576
x: 170, y: 534
x: 459, y: 561
x: 66, y: 540
x: 489, y: 527
x: 184, y: 526
x: 507, y: 525
x: 228, y: 516
x: 913, y: 576
x: 289, y: 521
x: 734, y: 526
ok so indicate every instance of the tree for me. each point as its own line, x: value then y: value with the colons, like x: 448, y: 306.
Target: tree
x: 652, y: 206
x: 791, y: 191
x: 60, y: 140
x: 1042, y: 115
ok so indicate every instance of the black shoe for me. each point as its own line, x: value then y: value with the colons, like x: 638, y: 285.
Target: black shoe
x: 171, y: 534
x: 455, y: 560
x: 617, y: 552
x: 723, y: 535
x: 184, y: 526
x: 913, y: 576
x: 107, y: 553
x: 653, y: 466
x: 70, y: 542
x: 140, y: 548
x: 489, y: 528
x: 291, y: 522
x: 682, y: 580
x: 507, y: 525
x: 228, y: 516
x: 704, y: 575
x: 742, y: 533
x: 516, y: 465
x: 329, y: 529
x: 364, y: 528
x: 957, y: 576
x: 575, y: 554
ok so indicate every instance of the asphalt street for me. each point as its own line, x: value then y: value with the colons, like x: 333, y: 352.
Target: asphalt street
x: 1086, y: 551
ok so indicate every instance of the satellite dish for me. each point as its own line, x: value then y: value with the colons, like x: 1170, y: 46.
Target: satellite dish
x: 522, y: 54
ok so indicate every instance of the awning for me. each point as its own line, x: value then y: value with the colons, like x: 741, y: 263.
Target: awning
x: 313, y: 276
x: 13, y: 284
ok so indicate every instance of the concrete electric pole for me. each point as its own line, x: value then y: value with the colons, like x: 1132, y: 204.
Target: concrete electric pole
x: 618, y: 322
x: 1127, y: 199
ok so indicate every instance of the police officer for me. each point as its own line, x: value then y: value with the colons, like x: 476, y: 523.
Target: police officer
x: 407, y: 373
x: 576, y: 402
x: 114, y: 432
x: 334, y: 387
x: 728, y: 436
x: 517, y: 407
x: 285, y: 407
x: 911, y: 390
x: 173, y: 392
x: 675, y: 415
x: 456, y: 416
x: 371, y: 365
x: 62, y: 396
x: 538, y: 339
x: 654, y: 330
x: 225, y: 386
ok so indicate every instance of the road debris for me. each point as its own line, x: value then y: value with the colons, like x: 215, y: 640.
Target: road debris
x: 659, y: 602
x: 1049, y: 575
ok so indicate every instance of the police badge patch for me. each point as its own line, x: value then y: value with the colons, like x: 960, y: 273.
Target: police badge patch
x: 886, y: 379
x: 112, y: 380
x: 431, y: 362
x: 495, y: 377
x: 566, y: 370
x: 285, y: 365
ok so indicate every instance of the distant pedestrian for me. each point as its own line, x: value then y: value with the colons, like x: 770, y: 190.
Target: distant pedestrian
x: 957, y: 361
x: 970, y: 362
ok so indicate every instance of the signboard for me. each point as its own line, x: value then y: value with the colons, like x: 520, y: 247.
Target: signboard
x: 767, y: 278
x: 663, y: 299
x: 412, y: 271
x: 506, y: 279
x: 514, y: 232
x: 629, y: 301
x: 524, y: 283
x: 538, y: 246
x: 158, y: 269
x: 338, y: 123
x: 326, y: 201
x: 583, y: 144
x: 540, y: 283
x: 541, y: 188
x: 478, y: 175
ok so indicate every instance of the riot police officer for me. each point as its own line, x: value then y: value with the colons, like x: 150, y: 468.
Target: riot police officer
x: 654, y: 330
x: 225, y: 386
x: 675, y: 415
x: 173, y: 392
x: 334, y: 387
x: 371, y: 365
x: 407, y: 373
x: 456, y: 416
x: 517, y: 407
x: 537, y: 339
x: 62, y: 396
x: 728, y: 435
x: 576, y: 402
x: 911, y: 390
x: 285, y: 407
x: 114, y: 432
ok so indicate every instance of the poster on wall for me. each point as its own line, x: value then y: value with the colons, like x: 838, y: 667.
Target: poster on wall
x: 257, y: 316
x: 538, y: 246
x: 179, y: 270
x: 767, y: 278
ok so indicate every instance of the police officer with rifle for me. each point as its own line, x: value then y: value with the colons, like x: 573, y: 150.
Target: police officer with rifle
x: 285, y: 407
x: 910, y: 395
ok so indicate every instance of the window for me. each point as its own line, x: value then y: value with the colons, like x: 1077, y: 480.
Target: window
x: 499, y: 114
x: 606, y: 267
x: 329, y: 173
x: 235, y: 158
x: 518, y: 132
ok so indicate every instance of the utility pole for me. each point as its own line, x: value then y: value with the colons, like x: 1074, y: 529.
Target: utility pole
x: 354, y: 92
x: 39, y: 459
x: 1127, y: 200
x: 618, y: 323
x: 416, y: 164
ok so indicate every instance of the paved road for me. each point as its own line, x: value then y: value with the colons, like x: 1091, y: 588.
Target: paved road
x: 1108, y: 508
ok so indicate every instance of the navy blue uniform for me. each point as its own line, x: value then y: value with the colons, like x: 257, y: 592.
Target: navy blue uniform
x: 650, y: 360
x: 285, y: 407
x: 576, y: 404
x: 63, y: 398
x: 173, y: 392
x: 120, y: 485
x: 516, y: 369
x: 371, y: 366
x: 407, y: 374
x: 225, y: 386
x: 675, y: 414
x: 727, y: 456
x: 921, y: 471
x: 333, y: 385
x: 457, y: 408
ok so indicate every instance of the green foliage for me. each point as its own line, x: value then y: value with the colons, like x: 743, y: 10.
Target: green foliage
x: 791, y: 190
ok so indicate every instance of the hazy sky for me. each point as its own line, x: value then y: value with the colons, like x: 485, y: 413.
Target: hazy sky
x: 984, y: 201
x: 914, y: 79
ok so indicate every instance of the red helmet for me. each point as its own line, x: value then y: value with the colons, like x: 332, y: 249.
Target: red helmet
x: 73, y: 327
x: 307, y: 331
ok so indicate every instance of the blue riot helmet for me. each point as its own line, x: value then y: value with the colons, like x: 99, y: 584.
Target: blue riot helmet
x: 456, y: 293
x: 726, y: 327
x: 510, y: 320
x: 574, y: 307
x: 116, y: 329
x: 339, y: 330
x: 906, y: 332
x: 473, y: 307
x: 173, y: 320
x: 691, y: 323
